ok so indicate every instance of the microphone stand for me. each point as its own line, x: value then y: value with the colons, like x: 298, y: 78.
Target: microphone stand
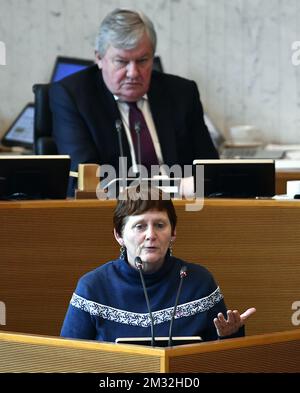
x: 118, y: 125
x: 137, y: 128
x: 139, y: 265
x: 183, y: 274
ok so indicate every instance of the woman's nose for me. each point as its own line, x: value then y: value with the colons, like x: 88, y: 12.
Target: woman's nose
x: 150, y: 233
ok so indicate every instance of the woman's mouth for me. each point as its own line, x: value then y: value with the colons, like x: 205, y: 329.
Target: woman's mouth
x: 150, y: 248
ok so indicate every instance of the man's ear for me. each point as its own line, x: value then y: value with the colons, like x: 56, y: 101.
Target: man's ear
x: 98, y: 59
x: 118, y: 238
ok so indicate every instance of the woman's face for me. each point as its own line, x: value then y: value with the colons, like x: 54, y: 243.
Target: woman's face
x: 148, y: 236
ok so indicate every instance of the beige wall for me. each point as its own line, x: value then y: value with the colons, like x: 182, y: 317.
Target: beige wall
x: 238, y: 51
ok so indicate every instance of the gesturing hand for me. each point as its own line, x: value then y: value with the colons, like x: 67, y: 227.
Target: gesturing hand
x: 229, y: 326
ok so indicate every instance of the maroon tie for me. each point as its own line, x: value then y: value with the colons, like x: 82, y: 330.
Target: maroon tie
x: 137, y: 123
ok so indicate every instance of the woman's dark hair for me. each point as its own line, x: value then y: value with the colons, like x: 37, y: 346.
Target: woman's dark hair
x: 140, y: 199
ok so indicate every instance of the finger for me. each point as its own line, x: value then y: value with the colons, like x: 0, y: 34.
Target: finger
x: 230, y: 317
x: 237, y: 317
x: 218, y: 326
x: 247, y: 313
x: 217, y: 323
x: 222, y: 328
x: 221, y: 318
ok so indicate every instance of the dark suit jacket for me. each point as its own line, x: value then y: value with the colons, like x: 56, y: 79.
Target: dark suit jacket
x: 85, y: 111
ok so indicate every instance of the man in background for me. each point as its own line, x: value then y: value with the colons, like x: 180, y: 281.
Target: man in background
x: 121, y: 93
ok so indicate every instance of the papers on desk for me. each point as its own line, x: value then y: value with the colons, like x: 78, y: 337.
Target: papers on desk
x: 284, y: 197
x: 289, y: 147
x: 293, y: 155
x: 292, y: 152
x: 287, y: 164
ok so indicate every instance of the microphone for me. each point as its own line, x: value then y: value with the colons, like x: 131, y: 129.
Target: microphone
x: 183, y: 274
x: 137, y: 128
x: 118, y: 125
x: 139, y: 265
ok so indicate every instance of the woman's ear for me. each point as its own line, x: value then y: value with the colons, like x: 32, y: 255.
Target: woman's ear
x: 173, y: 237
x: 118, y: 238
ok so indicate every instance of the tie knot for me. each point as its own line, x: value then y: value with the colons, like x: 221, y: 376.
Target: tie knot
x: 132, y: 105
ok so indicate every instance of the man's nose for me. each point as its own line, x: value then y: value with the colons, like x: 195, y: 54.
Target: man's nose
x: 132, y: 69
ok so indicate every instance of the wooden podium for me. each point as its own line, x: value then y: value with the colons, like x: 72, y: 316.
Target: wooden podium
x: 274, y: 352
x: 250, y: 246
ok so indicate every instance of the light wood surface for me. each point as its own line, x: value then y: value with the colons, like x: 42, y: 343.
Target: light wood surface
x: 276, y: 352
x: 251, y: 247
x: 271, y: 353
x: 28, y: 353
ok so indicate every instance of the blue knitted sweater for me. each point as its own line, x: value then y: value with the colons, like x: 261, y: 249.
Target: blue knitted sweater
x: 109, y: 302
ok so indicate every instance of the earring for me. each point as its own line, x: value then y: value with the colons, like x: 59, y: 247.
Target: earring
x: 122, y: 252
x: 171, y: 248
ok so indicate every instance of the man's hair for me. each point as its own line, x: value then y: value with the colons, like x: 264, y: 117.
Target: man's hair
x: 149, y: 198
x: 123, y: 29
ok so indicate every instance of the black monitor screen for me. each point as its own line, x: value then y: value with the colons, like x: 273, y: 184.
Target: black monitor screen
x: 65, y: 66
x: 65, y: 69
x: 238, y: 178
x: 20, y: 133
x: 34, y: 177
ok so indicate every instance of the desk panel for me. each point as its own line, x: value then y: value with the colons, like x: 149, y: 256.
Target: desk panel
x: 275, y: 352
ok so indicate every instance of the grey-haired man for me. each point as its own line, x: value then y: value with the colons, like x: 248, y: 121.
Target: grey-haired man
x: 87, y: 104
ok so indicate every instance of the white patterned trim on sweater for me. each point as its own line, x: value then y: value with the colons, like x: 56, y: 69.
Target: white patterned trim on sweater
x: 143, y: 320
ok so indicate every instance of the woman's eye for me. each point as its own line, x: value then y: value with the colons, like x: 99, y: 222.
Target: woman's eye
x: 160, y: 225
x: 140, y: 227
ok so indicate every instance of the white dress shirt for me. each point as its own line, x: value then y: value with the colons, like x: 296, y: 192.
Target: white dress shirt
x: 143, y: 105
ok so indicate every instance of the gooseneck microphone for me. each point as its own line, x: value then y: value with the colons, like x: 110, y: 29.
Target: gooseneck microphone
x: 137, y: 128
x: 139, y: 265
x: 183, y: 274
x: 118, y: 125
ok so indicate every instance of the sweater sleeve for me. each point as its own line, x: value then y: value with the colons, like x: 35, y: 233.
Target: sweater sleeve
x: 78, y: 322
x: 210, y: 331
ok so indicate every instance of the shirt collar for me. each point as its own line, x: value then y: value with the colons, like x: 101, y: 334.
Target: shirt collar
x: 145, y: 97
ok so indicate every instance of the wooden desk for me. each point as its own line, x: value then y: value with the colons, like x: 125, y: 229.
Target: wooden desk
x: 277, y: 352
x: 251, y: 247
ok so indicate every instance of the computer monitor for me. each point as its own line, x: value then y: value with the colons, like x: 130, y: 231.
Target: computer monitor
x: 65, y: 66
x: 237, y: 178
x: 34, y: 177
x: 20, y: 132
